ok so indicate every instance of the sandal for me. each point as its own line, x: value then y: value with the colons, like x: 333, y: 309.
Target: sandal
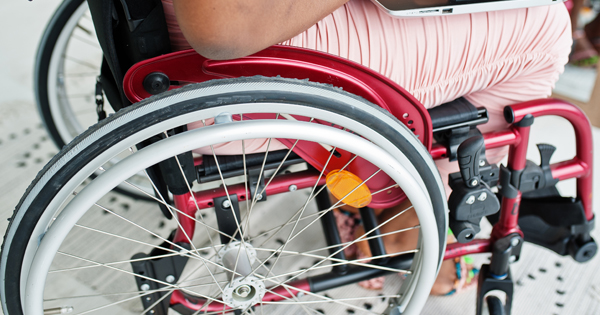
x: 465, y: 275
x: 347, y: 223
x: 374, y: 284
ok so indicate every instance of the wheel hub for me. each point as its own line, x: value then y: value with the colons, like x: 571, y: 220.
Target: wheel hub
x: 245, y: 290
x: 242, y: 293
x: 237, y: 258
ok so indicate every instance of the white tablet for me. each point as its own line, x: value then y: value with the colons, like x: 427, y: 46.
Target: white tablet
x: 416, y: 8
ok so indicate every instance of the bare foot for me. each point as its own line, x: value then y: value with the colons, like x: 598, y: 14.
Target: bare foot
x: 446, y: 278
x: 403, y: 241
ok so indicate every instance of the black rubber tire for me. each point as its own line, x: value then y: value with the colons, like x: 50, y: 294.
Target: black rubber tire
x: 42, y: 71
x: 42, y: 63
x: 67, y: 163
x: 495, y: 305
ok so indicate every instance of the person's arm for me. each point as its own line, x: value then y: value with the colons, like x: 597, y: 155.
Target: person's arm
x: 227, y: 29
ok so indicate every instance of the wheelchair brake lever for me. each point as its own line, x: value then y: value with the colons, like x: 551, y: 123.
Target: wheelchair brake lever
x: 471, y: 198
x: 469, y: 160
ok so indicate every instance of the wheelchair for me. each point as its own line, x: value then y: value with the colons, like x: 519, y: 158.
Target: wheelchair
x: 255, y: 231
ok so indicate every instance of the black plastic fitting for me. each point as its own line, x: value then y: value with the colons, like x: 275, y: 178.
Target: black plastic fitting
x: 156, y: 83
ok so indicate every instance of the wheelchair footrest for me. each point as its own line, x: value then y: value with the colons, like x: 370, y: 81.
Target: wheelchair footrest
x: 155, y: 275
x: 559, y: 224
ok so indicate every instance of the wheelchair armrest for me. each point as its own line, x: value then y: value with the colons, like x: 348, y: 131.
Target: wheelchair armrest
x: 457, y: 113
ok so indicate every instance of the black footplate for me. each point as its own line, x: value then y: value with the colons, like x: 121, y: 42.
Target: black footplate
x: 156, y: 275
x: 559, y: 224
x: 556, y: 223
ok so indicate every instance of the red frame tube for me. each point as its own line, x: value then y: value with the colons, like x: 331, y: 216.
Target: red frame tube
x: 509, y: 211
x: 477, y: 246
x: 279, y: 293
x: 492, y: 140
x: 204, y: 199
x: 517, y: 138
x: 581, y: 165
x: 187, y: 219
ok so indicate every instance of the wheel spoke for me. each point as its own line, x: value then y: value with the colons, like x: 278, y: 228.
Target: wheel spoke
x: 290, y: 150
x: 348, y: 245
x: 87, y: 41
x: 356, y: 262
x: 339, y: 299
x: 89, y: 32
x: 124, y: 293
x: 302, y: 211
x: 325, y: 298
x: 361, y: 262
x: 184, y: 280
x: 182, y: 249
x: 146, y: 230
x: 267, y: 184
x: 300, y: 215
x: 364, y: 239
x: 226, y: 193
x: 192, y: 194
x: 81, y: 62
x: 170, y: 206
x: 332, y: 207
x: 319, y: 215
x: 245, y: 177
x: 83, y: 74
x: 174, y: 286
x: 310, y: 199
x: 189, y: 239
x: 174, y: 253
x: 113, y: 304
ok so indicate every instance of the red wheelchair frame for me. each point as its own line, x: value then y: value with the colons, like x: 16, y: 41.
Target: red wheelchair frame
x: 188, y: 67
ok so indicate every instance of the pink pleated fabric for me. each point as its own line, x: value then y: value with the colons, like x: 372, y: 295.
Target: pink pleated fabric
x: 178, y: 42
x: 493, y: 59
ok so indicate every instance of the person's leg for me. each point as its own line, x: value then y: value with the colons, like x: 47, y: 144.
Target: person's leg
x: 592, y: 32
x: 577, y: 5
x: 530, y: 75
x: 494, y: 59
x: 439, y: 59
x: 583, y: 53
x: 406, y: 240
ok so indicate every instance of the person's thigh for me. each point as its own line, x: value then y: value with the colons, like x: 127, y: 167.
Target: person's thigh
x: 438, y: 59
x: 494, y: 59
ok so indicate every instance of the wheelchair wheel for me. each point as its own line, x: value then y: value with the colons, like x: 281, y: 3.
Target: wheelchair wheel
x: 67, y: 64
x: 495, y: 305
x: 68, y: 248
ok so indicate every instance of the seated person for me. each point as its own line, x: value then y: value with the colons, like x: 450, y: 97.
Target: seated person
x: 493, y: 59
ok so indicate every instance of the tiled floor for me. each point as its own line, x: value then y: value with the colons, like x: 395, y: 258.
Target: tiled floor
x: 546, y: 283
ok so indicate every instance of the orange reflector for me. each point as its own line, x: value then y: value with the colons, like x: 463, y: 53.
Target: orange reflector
x: 341, y: 183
